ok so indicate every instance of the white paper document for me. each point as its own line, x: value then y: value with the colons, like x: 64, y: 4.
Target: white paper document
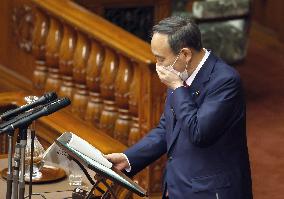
x: 88, y: 150
x: 54, y: 153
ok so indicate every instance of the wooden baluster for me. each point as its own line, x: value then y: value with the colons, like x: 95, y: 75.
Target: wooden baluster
x: 94, y: 66
x: 53, y: 42
x: 122, y: 83
x: 109, y: 72
x: 80, y: 59
x: 134, y: 96
x: 140, y: 107
x: 150, y: 110
x: 38, y: 49
x: 66, y: 53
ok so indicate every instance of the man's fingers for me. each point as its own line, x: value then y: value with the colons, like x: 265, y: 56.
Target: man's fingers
x: 164, y: 72
x: 117, y: 159
x: 113, y: 157
x: 161, y: 70
x: 160, y: 75
x: 108, y: 157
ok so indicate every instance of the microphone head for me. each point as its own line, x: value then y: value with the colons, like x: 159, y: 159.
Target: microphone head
x: 48, y: 97
x: 57, y: 105
x: 64, y: 101
x: 43, y: 100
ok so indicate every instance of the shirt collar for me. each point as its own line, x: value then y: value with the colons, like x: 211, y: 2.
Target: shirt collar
x: 193, y: 75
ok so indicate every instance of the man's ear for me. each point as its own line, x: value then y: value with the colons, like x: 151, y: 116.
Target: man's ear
x: 187, y: 54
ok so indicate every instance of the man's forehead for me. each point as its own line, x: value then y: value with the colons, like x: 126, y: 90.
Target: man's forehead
x: 160, y: 44
x: 159, y: 39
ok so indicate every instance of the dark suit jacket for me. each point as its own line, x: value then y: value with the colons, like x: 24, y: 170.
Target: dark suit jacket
x: 203, y: 133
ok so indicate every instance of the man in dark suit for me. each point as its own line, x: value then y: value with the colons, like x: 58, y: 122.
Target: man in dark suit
x: 203, y: 127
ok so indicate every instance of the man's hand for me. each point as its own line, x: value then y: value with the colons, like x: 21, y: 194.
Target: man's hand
x: 119, y: 160
x: 171, y: 79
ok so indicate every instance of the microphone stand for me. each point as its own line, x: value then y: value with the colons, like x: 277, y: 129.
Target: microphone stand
x: 10, y: 166
x: 32, y: 131
x: 16, y: 168
x: 99, y: 179
x: 19, y: 156
x: 32, y: 135
x: 23, y: 143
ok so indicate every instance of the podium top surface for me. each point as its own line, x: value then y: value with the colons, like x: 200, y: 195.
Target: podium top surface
x: 108, y: 173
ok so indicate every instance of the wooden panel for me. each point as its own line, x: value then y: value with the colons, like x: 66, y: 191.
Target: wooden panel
x: 270, y: 14
x: 12, y: 81
x: 11, y: 55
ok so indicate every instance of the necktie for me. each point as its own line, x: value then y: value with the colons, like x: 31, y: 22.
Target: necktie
x: 185, y: 84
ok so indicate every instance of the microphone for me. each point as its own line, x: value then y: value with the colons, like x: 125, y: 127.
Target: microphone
x: 22, y: 115
x: 46, y: 110
x: 46, y: 98
x: 18, y: 117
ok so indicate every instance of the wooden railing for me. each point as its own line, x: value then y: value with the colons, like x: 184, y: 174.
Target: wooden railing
x: 49, y: 128
x: 108, y: 74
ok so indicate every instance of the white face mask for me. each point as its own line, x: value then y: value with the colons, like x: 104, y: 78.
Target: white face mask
x: 183, y: 75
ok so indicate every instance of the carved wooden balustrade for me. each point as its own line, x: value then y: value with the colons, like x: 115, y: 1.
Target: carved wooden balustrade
x: 108, y: 73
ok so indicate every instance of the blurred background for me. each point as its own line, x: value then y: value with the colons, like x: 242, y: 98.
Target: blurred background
x: 97, y: 53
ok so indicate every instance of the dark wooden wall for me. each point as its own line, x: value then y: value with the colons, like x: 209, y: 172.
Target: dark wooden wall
x: 270, y: 14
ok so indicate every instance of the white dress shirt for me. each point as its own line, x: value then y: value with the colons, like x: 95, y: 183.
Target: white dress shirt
x: 193, y: 75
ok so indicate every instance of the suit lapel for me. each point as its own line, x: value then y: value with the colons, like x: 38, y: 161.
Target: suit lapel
x: 201, y: 78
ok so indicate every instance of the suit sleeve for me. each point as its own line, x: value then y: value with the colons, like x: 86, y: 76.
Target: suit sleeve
x: 205, y: 124
x: 149, y: 149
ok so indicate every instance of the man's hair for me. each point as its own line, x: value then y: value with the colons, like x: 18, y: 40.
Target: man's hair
x: 182, y: 32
